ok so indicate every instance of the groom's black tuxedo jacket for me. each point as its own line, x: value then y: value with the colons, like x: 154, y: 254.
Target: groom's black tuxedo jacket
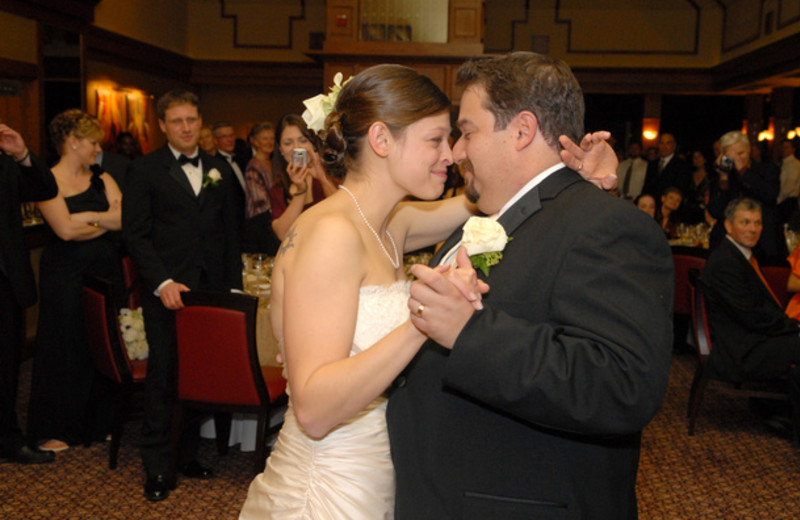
x: 537, y: 410
x: 172, y: 233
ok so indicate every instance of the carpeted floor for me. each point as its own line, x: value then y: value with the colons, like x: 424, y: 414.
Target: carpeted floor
x: 731, y: 468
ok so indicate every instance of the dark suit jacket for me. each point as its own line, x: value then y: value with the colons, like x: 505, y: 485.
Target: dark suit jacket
x: 745, y: 319
x: 116, y: 165
x: 171, y: 233
x: 676, y: 173
x: 537, y: 410
x: 20, y: 184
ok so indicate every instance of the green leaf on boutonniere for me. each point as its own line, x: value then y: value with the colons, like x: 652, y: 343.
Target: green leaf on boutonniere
x: 484, y: 261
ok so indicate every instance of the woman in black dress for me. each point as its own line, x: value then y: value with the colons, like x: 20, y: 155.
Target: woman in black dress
x: 86, y: 208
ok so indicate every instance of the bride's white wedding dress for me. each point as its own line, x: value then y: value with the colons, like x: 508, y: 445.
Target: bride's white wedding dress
x: 347, y: 474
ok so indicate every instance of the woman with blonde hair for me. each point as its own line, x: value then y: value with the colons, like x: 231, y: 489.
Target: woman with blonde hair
x: 86, y: 208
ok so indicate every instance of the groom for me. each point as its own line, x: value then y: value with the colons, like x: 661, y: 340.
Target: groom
x: 533, y: 407
x: 180, y: 224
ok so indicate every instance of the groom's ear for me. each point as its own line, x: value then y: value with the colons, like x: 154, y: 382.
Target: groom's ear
x: 379, y: 137
x: 524, y: 127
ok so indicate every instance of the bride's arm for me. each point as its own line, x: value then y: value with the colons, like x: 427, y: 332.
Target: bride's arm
x: 426, y: 223
x: 322, y: 275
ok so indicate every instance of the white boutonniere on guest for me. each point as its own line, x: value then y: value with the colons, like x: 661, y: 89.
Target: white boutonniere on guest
x: 131, y: 324
x: 319, y: 106
x: 485, y: 240
x: 212, y: 178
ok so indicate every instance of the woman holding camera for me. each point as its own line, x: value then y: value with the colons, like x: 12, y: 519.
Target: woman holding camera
x: 299, y: 180
x: 736, y: 175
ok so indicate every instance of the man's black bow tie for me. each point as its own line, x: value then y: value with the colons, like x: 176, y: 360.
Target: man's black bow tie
x: 194, y: 160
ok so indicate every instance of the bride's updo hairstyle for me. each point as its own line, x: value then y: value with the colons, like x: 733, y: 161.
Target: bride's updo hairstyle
x: 395, y: 95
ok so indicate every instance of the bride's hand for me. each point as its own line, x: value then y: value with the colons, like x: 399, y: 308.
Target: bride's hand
x: 594, y: 159
x: 465, y: 278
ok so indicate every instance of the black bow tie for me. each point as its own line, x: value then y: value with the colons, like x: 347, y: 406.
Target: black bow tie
x: 194, y: 160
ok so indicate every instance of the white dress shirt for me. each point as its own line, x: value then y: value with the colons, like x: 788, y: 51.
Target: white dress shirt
x: 790, y: 178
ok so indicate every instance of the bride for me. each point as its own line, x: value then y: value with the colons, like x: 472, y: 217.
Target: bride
x: 339, y: 296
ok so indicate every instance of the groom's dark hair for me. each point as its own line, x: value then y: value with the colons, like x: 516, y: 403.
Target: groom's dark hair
x: 178, y: 96
x: 528, y: 81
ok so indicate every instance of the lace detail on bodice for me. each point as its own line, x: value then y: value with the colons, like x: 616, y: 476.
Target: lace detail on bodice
x: 381, y: 309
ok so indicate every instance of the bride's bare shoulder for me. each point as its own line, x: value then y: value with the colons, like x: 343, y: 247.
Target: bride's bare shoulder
x: 322, y: 231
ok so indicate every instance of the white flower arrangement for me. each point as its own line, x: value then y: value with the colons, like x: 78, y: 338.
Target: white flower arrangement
x: 484, y: 239
x: 319, y: 106
x: 131, y: 324
x: 212, y: 177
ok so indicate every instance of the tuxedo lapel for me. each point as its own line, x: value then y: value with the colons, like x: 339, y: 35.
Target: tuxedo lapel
x: 531, y: 202
x: 447, y: 246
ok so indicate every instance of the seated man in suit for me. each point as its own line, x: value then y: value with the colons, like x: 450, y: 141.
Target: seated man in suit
x: 754, y: 339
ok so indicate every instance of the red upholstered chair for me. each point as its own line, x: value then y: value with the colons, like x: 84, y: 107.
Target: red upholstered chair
x: 683, y: 263
x: 777, y: 276
x: 108, y: 353
x: 703, y: 376
x: 130, y: 277
x: 218, y: 366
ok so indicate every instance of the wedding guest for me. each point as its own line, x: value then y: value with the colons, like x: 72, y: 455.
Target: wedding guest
x: 114, y: 164
x: 178, y: 244
x: 753, y: 337
x: 738, y: 176
x: 225, y: 141
x: 668, y: 170
x: 258, y: 235
x: 80, y: 217
x: 23, y: 178
x: 693, y: 210
x: 667, y: 212
x: 206, y: 140
x: 790, y: 181
x: 631, y: 173
x: 646, y: 203
x: 300, y: 186
x: 127, y: 145
x: 533, y: 407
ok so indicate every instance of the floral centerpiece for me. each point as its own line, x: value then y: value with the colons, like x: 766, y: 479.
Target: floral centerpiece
x: 131, y: 324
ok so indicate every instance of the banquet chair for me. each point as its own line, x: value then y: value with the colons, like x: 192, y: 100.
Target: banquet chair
x: 218, y: 366
x: 130, y: 278
x: 703, y: 376
x: 108, y: 353
x: 684, y: 259
x: 777, y: 276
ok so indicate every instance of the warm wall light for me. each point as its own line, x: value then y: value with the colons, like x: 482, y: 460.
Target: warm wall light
x: 650, y: 127
x: 791, y: 134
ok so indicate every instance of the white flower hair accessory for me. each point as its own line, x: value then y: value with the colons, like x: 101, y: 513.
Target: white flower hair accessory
x: 212, y: 177
x: 484, y: 239
x: 319, y: 106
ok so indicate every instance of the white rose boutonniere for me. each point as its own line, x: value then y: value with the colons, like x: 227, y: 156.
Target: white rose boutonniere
x: 319, y: 106
x: 212, y: 178
x: 485, y: 239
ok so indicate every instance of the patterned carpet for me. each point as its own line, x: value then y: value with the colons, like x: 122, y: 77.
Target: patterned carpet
x: 731, y: 468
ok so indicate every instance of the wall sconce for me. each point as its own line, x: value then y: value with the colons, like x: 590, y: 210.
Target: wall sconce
x: 650, y: 127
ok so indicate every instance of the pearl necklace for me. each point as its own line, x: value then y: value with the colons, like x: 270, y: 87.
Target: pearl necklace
x: 394, y: 261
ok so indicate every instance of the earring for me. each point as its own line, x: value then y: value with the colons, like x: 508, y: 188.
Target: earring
x: 74, y: 147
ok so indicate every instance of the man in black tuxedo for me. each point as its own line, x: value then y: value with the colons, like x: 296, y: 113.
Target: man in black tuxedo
x: 23, y: 178
x: 533, y: 406
x: 753, y: 337
x: 668, y: 170
x: 180, y: 226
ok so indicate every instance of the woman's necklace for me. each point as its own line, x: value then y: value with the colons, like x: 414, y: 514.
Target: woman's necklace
x: 394, y: 261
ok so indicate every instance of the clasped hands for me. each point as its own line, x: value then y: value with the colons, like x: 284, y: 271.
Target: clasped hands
x: 443, y: 298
